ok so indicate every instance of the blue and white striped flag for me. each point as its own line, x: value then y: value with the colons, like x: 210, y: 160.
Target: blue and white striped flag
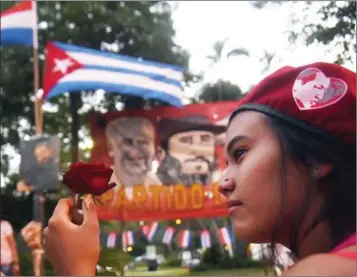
x: 18, y: 25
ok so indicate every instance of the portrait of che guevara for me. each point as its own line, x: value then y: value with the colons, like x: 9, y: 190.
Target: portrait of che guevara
x: 39, y: 166
x: 189, y: 150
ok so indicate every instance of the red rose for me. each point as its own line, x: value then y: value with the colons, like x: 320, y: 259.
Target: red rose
x: 88, y: 178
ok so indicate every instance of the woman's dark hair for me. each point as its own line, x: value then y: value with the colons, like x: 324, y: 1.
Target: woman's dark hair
x: 306, y: 150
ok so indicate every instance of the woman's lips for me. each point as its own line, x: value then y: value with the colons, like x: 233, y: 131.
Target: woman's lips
x: 234, y: 206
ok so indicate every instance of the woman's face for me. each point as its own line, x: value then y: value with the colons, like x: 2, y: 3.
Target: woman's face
x: 253, y: 180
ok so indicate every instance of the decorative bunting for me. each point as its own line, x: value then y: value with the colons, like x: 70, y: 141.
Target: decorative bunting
x: 127, y: 239
x: 184, y: 238
x: 145, y: 229
x: 111, y: 240
x: 168, y: 235
x: 205, y: 239
x: 224, y: 236
x: 152, y: 231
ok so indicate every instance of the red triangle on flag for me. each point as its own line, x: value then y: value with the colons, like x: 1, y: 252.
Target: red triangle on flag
x: 57, y: 65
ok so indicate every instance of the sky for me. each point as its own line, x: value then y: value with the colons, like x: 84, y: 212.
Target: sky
x: 199, y: 24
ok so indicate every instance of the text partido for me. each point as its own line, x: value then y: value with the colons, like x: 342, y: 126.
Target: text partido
x: 159, y: 197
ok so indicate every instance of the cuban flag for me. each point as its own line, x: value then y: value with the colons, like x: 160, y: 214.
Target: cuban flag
x: 127, y: 239
x: 152, y: 231
x: 111, y: 240
x: 70, y: 68
x: 184, y: 238
x: 168, y: 235
x: 18, y: 25
x: 205, y: 239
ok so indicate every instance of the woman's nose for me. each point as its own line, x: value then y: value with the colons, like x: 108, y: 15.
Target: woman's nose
x: 226, y: 186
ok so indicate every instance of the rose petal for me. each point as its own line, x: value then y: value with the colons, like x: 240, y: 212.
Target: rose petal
x: 88, y: 178
x: 96, y: 181
x: 74, y: 182
x: 106, y: 172
x: 100, y: 190
x: 99, y: 165
x: 89, y: 174
x: 77, y: 164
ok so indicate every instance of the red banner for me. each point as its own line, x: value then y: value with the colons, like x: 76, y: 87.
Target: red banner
x: 166, y: 161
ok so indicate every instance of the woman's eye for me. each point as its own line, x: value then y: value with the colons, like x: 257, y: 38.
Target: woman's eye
x: 237, y: 154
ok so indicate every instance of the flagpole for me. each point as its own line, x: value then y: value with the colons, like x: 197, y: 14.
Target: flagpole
x: 36, y: 73
x: 38, y: 196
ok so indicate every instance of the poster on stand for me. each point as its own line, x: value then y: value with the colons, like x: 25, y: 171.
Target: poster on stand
x: 39, y: 166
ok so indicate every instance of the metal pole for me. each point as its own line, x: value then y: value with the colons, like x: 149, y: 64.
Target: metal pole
x: 38, y: 197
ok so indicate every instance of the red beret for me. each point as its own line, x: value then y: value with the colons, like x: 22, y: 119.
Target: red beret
x: 319, y: 97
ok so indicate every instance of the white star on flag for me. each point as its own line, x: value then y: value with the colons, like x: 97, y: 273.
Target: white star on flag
x: 62, y: 65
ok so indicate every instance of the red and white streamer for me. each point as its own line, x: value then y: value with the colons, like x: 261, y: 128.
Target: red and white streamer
x: 168, y: 235
x: 111, y: 240
x: 145, y: 229
x: 224, y: 236
x: 128, y: 239
x: 152, y: 231
x: 184, y: 238
x: 205, y: 239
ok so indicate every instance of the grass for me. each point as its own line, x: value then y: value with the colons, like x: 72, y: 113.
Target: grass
x: 142, y: 271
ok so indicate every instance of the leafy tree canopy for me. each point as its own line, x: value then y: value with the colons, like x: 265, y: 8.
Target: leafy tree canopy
x: 336, y: 27
x: 136, y: 28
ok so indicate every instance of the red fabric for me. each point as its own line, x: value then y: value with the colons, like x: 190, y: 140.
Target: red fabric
x: 320, y: 94
x: 350, y: 241
x: 347, y: 255
x: 53, y: 71
x: 21, y: 7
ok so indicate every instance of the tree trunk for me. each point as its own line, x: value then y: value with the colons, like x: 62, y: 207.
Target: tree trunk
x: 75, y: 103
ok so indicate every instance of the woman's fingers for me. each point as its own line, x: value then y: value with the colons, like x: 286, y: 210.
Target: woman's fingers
x: 73, y: 250
x: 61, y: 217
x: 64, y: 206
x: 90, y: 215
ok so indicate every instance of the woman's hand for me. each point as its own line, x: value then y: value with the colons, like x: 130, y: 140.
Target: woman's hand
x: 72, y: 249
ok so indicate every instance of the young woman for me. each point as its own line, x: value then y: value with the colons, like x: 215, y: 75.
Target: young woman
x: 290, y: 177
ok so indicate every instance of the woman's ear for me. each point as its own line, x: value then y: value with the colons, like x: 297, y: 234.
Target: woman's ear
x: 321, y: 171
x: 320, y: 174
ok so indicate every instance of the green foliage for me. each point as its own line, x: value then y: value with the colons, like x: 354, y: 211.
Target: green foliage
x: 213, y: 259
x: 219, y: 54
x: 136, y: 28
x: 336, y: 26
x: 115, y: 259
x: 172, y: 262
x: 342, y: 34
x: 11, y: 205
x: 139, y: 247
x: 26, y: 266
x: 220, y: 91
x: 212, y: 256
